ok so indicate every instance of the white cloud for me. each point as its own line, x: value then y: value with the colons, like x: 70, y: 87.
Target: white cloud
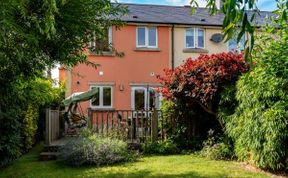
x: 175, y: 2
x: 201, y: 3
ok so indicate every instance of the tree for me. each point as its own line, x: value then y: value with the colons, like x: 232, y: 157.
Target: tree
x: 35, y: 35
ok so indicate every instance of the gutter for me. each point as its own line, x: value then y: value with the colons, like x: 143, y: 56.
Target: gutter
x: 173, y: 23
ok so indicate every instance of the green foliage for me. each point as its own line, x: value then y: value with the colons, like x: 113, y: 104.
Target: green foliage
x: 227, y: 104
x: 242, y: 14
x: 19, y: 115
x: 92, y: 149
x: 218, y: 148
x: 29, y: 127
x: 160, y: 147
x: 175, y: 125
x: 34, y: 36
x: 259, y: 125
x: 10, y: 140
x: 168, y: 110
x: 194, y: 91
x: 218, y: 151
x: 39, y: 94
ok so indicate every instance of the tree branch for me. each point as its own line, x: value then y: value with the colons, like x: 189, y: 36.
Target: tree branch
x: 206, y: 108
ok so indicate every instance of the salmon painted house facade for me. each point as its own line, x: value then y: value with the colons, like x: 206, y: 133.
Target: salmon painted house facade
x: 154, y: 37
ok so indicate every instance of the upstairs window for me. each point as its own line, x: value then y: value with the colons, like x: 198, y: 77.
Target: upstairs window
x: 233, y: 46
x: 102, y: 44
x: 195, y: 38
x: 102, y: 98
x: 146, y: 37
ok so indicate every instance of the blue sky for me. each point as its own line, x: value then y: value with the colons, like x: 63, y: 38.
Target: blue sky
x: 262, y: 4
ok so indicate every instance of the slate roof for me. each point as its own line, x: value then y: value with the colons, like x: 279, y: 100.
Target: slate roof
x: 164, y: 14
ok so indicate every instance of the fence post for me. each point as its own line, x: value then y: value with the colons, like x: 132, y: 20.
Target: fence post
x: 90, y: 120
x: 154, y: 125
x: 47, y: 127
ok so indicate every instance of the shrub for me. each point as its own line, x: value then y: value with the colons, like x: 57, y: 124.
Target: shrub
x: 160, y: 147
x: 10, y: 135
x: 218, y: 151
x: 259, y: 126
x: 171, y: 129
x: 29, y: 127
x: 217, y: 147
x: 201, y: 80
x: 92, y: 149
x: 19, y: 115
x: 194, y: 93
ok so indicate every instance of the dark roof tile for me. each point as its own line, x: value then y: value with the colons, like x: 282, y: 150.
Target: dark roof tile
x: 164, y: 14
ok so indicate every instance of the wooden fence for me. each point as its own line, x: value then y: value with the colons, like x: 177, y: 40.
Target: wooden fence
x: 135, y: 126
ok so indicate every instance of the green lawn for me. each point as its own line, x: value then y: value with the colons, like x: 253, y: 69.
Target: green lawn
x: 152, y: 166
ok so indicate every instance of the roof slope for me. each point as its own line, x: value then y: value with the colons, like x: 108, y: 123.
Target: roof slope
x: 164, y: 14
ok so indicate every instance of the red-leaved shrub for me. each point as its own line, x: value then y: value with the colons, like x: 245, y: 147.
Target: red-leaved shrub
x: 202, y: 80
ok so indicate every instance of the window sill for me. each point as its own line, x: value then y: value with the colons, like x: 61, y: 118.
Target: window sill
x: 147, y: 49
x: 104, y: 53
x: 195, y: 50
x: 102, y: 109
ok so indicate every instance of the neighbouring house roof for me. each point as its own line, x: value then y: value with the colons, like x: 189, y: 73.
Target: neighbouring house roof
x: 164, y: 14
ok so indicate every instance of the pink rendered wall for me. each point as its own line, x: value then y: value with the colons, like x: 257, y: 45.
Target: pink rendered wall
x: 134, y: 67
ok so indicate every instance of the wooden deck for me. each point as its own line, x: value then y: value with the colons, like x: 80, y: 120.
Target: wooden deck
x: 136, y: 126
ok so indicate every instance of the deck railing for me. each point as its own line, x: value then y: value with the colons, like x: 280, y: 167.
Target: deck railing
x: 136, y: 126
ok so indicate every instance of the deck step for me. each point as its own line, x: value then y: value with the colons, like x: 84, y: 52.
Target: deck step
x: 48, y: 155
x: 51, y: 148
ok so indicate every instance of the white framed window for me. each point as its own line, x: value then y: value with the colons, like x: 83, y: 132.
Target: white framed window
x: 146, y: 37
x: 144, y: 98
x: 195, y: 38
x: 104, y: 44
x: 103, y: 97
x: 233, y: 46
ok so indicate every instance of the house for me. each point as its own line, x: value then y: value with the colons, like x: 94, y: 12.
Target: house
x: 154, y: 37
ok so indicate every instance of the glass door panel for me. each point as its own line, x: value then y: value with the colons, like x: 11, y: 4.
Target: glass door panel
x: 145, y: 98
x: 139, y: 99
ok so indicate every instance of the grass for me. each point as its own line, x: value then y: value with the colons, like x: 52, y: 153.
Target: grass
x: 151, y: 166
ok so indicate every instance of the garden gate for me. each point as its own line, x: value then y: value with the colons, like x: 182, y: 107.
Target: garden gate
x: 54, y: 125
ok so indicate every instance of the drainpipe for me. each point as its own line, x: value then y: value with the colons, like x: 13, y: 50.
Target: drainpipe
x: 172, y: 46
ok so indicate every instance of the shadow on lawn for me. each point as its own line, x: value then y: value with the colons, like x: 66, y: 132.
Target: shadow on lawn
x: 97, y: 172
x: 139, y: 174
